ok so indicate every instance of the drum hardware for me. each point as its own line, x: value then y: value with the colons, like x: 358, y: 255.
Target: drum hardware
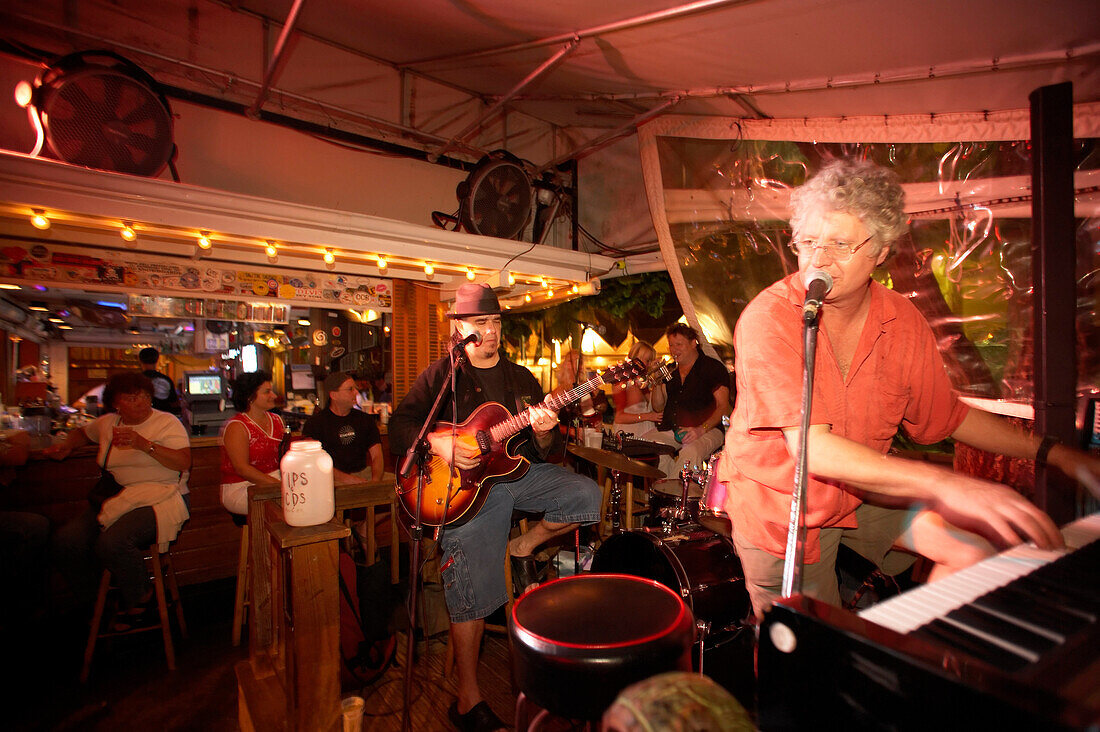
x: 619, y: 465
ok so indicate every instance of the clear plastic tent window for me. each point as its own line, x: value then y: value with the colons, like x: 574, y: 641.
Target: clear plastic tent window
x: 966, y: 262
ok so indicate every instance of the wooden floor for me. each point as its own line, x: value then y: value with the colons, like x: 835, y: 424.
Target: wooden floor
x: 432, y: 694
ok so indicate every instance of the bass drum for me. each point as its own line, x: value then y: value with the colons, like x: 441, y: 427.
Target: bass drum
x: 698, y: 565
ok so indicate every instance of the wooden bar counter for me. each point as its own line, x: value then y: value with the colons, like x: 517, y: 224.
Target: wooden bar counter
x: 207, y: 545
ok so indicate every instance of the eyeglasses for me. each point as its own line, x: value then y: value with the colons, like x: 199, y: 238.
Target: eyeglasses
x: 836, y: 251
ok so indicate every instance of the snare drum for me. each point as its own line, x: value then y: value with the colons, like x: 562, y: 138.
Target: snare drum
x: 665, y: 497
x: 698, y: 565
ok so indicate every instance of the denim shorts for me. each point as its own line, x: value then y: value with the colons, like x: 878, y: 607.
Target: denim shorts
x: 472, y: 563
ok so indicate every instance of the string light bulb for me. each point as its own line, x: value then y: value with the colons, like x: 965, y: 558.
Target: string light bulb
x: 470, y: 274
x: 527, y: 297
x: 549, y: 293
x: 429, y: 269
x: 39, y: 220
x: 511, y: 279
x: 204, y: 240
x: 127, y: 231
x: 575, y: 289
x: 381, y: 262
x: 329, y: 257
x: 270, y: 249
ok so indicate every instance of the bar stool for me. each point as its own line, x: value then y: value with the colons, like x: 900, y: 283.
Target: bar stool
x: 160, y: 569
x: 243, y: 598
x: 578, y: 641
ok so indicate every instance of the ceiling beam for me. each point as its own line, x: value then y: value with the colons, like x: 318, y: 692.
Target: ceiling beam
x: 275, y: 65
x: 659, y: 16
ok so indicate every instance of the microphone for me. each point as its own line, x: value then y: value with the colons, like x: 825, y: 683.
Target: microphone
x: 600, y: 329
x: 460, y: 344
x: 818, y: 283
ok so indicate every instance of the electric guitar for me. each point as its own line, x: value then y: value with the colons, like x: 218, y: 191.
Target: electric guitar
x: 453, y: 496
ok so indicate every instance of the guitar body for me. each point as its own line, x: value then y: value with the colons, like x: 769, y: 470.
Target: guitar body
x: 495, y: 433
x: 469, y: 488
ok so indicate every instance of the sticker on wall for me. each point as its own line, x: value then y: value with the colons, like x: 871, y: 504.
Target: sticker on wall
x: 336, y: 352
x: 320, y: 338
x: 336, y: 331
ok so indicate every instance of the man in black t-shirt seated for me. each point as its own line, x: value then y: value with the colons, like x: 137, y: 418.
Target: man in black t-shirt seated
x: 689, y: 408
x: 347, y: 434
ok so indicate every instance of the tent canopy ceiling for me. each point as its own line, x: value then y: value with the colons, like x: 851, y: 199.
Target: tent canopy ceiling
x: 737, y: 58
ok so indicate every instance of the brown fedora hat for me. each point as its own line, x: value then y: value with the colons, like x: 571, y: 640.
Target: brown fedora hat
x: 471, y: 300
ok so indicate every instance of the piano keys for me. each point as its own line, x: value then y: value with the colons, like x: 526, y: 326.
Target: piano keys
x: 1012, y: 641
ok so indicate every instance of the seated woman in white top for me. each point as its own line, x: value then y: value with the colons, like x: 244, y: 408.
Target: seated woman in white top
x: 149, y: 454
x: 633, y: 413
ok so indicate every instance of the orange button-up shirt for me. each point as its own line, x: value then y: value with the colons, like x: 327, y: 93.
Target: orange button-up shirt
x: 896, y: 380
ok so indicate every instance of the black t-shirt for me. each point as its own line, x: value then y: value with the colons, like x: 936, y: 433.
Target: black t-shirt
x: 347, y: 439
x: 690, y: 403
x: 165, y: 397
x: 502, y: 384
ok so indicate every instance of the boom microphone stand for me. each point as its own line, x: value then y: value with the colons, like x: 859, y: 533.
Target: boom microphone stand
x: 418, y: 456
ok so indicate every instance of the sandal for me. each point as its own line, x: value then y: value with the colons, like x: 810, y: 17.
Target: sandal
x: 527, y: 571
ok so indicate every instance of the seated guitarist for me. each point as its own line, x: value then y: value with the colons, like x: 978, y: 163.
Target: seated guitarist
x: 473, y: 553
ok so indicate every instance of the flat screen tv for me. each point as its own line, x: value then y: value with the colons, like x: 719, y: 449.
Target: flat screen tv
x: 204, y: 385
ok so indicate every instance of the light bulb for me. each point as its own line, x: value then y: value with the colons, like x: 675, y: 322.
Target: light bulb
x: 39, y: 220
x: 329, y: 257
x: 511, y: 279
x: 549, y: 293
x: 429, y: 270
x: 470, y: 274
x: 270, y: 249
x: 127, y: 232
x: 204, y: 240
x: 575, y: 288
x: 527, y: 297
x: 381, y: 262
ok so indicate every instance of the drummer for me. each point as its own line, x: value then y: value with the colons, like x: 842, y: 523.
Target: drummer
x: 633, y: 412
x: 690, y: 407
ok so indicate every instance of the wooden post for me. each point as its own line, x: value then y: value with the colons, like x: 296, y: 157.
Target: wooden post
x: 1053, y: 247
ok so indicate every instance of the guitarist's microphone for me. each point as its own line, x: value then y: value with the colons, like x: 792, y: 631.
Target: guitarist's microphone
x: 474, y: 338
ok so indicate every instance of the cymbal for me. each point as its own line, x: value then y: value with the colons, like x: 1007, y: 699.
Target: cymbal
x: 615, y: 461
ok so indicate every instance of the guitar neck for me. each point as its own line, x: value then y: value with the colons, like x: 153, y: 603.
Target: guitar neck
x: 508, y: 427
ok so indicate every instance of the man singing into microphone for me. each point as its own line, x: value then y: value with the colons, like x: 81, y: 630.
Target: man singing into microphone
x: 472, y: 563
x: 877, y: 370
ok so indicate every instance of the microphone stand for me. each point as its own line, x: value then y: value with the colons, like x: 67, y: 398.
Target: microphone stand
x: 796, y: 529
x: 418, y: 456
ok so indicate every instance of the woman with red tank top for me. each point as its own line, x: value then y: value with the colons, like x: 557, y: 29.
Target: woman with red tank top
x: 250, y: 441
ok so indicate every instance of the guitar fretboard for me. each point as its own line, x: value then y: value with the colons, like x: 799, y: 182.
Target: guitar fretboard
x: 508, y: 427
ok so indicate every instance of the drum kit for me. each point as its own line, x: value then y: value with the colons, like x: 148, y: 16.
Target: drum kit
x: 685, y: 543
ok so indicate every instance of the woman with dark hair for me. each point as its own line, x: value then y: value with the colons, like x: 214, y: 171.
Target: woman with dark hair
x: 250, y: 440
x: 149, y: 454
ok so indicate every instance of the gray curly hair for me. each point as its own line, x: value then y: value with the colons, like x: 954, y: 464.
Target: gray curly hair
x: 868, y: 191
